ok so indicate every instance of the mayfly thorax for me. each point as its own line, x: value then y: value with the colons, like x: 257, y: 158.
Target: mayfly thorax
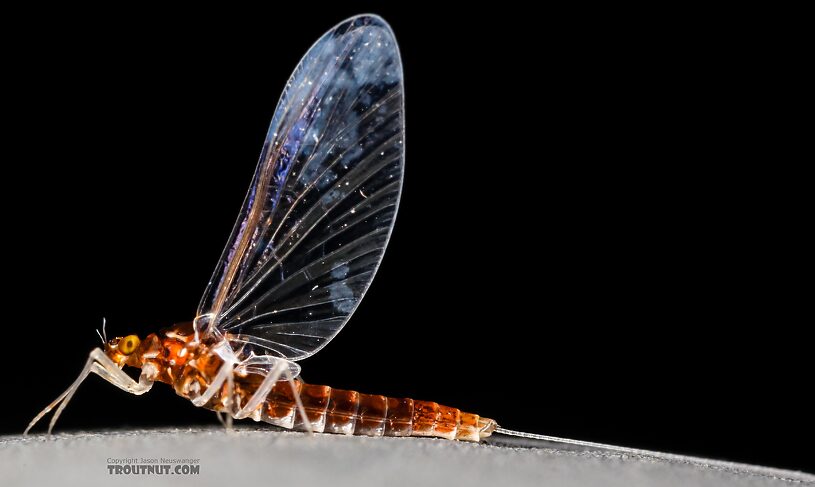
x: 307, y: 243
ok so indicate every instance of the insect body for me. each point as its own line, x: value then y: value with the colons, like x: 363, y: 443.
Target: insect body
x: 192, y: 368
x: 308, y: 241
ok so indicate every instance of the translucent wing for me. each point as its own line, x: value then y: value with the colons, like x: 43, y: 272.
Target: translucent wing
x: 321, y: 206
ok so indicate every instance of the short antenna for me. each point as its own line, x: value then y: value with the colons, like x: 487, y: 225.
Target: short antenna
x: 103, y: 335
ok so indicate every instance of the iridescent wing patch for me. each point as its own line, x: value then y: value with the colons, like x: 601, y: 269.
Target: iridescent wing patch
x: 320, y: 210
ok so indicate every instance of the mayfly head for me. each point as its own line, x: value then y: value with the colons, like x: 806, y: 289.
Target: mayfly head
x: 121, y: 349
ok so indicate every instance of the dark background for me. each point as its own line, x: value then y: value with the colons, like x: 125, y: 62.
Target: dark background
x: 593, y: 241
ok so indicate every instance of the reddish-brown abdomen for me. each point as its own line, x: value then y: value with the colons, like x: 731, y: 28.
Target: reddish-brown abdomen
x: 328, y: 410
x: 399, y: 417
x: 315, y: 401
x: 371, y: 415
x: 342, y: 412
x: 349, y: 412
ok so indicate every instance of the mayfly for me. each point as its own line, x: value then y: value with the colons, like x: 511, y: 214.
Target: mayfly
x: 307, y: 243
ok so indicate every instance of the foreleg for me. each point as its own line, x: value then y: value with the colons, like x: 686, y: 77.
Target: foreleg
x: 101, y: 365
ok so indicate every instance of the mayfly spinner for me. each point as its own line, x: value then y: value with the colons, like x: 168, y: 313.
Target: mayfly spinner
x: 308, y: 241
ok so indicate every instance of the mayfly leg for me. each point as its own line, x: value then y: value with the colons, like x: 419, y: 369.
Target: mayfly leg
x: 230, y: 399
x: 226, y: 374
x: 306, y: 421
x: 101, y: 365
x: 279, y: 367
x: 263, y: 390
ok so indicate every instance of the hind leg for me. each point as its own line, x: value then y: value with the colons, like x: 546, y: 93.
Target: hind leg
x: 263, y: 390
x: 306, y: 421
x: 277, y: 368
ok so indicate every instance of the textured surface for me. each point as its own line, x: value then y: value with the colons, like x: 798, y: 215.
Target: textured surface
x: 252, y: 456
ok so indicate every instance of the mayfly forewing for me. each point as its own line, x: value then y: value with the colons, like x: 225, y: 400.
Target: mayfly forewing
x: 319, y: 212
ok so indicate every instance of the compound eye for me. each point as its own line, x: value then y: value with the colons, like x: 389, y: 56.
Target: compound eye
x: 129, y: 344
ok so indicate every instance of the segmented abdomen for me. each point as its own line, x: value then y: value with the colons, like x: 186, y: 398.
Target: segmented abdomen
x: 349, y: 412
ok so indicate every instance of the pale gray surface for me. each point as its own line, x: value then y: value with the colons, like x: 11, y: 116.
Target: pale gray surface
x: 261, y: 457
